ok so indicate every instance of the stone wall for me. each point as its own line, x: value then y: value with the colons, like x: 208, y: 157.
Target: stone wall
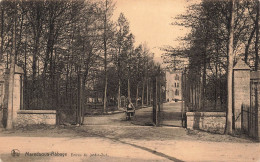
x: 207, y: 121
x: 31, y: 117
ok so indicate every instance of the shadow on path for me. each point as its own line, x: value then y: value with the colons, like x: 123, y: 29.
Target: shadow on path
x: 171, y: 114
x: 149, y: 150
x: 137, y: 146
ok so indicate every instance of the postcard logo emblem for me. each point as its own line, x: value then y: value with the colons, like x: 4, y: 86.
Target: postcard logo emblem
x: 15, y: 153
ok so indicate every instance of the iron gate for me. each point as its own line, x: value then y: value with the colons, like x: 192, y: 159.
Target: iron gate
x: 157, y: 100
x: 250, y: 113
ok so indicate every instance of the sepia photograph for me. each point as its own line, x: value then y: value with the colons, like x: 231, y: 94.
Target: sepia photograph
x: 129, y: 81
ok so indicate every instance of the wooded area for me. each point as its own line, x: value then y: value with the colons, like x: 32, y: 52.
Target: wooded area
x: 221, y: 32
x: 206, y: 48
x: 74, y: 55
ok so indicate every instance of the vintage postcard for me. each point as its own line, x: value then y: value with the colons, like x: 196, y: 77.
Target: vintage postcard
x: 129, y: 80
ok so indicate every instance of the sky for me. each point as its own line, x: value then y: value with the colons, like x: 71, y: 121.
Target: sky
x: 150, y: 22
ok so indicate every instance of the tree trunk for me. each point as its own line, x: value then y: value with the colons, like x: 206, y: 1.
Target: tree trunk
x: 25, y: 90
x: 137, y: 95
x: 201, y: 91
x: 230, y: 72
x: 257, y: 35
x: 196, y: 96
x: 147, y: 92
x: 143, y: 95
x: 9, y: 124
x: 10, y: 93
x: 67, y: 80
x: 119, y: 81
x: 128, y: 90
x: 105, y: 59
x: 151, y: 89
x: 84, y: 97
x: 105, y: 94
x: 36, y: 32
x: 47, y: 59
x: 20, y: 38
x: 202, y: 105
x: 50, y: 44
x: 216, y: 87
x: 79, y: 104
x: 119, y: 95
x: 248, y: 44
x: 2, y: 32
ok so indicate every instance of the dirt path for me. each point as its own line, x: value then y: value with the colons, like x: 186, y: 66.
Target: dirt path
x: 112, y: 138
x: 72, y: 149
x: 171, y: 116
x: 142, y: 117
x: 109, y: 148
x: 125, y: 143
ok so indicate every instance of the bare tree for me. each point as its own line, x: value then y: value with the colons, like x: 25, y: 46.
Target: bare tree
x: 257, y: 35
x: 230, y: 70
x: 9, y: 124
x: 105, y: 56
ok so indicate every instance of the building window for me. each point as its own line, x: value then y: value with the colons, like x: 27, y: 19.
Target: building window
x: 175, y: 84
x: 178, y: 85
x: 1, y: 90
x: 176, y: 92
x: 1, y: 94
x: 177, y: 77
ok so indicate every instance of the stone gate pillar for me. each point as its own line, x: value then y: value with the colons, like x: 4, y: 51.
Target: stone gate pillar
x: 255, y: 85
x: 241, y: 90
x: 2, y: 82
x: 17, y: 92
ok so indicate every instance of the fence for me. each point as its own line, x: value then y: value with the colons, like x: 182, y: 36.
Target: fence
x: 203, y: 93
x: 157, y: 96
x: 67, y: 115
x: 250, y: 114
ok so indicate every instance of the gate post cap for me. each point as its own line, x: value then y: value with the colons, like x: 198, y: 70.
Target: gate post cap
x: 241, y: 65
x: 18, y: 70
